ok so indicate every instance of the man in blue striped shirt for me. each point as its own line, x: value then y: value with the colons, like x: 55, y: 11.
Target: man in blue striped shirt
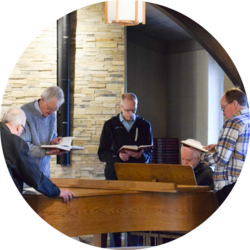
x: 229, y: 154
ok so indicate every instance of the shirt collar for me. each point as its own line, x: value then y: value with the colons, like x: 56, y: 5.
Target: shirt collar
x: 37, y: 107
x: 243, y: 112
x: 122, y: 119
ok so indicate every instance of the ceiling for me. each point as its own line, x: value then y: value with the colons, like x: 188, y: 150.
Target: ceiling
x: 163, y: 35
x: 160, y: 27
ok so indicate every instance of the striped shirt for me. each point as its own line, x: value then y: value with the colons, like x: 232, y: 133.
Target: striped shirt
x: 231, y: 150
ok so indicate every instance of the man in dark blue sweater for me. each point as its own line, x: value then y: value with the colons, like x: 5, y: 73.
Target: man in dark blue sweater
x: 126, y: 128
x: 21, y: 165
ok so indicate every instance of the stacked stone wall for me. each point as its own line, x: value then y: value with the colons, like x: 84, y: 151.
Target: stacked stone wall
x: 96, y: 79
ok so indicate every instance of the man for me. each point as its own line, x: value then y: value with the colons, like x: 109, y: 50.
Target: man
x: 192, y: 157
x: 126, y: 128
x: 229, y: 154
x: 21, y: 164
x: 41, y: 126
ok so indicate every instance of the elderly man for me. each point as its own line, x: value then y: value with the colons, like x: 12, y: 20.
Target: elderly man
x: 41, y: 126
x: 126, y: 128
x: 21, y: 164
x: 229, y: 154
x: 192, y: 157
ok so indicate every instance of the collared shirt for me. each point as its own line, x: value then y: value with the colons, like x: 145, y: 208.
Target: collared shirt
x: 127, y: 125
x: 37, y: 107
x: 231, y: 150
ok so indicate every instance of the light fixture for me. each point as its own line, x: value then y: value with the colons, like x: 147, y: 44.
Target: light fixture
x: 125, y: 12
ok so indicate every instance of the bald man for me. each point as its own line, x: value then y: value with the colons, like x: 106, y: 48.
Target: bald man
x: 203, y: 173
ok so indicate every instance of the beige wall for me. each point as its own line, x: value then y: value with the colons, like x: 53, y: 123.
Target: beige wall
x: 227, y: 83
x: 97, y: 81
x: 187, y: 76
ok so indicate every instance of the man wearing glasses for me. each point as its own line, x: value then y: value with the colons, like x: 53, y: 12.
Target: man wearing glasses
x: 40, y: 127
x: 127, y: 128
x: 21, y: 165
x: 229, y: 154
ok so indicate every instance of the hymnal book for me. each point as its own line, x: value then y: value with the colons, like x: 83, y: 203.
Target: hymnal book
x: 134, y: 148
x: 65, y: 144
x: 194, y: 145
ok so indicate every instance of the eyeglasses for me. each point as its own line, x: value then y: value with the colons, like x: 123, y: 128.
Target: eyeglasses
x: 130, y: 110
x: 51, y: 110
x: 23, y: 128
x: 223, y: 108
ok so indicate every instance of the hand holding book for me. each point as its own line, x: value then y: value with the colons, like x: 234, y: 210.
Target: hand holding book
x: 64, y: 144
x: 135, y: 154
x: 194, y: 145
x: 135, y: 148
x: 56, y: 141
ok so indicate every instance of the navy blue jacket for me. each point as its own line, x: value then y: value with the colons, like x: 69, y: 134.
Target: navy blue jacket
x: 204, y: 175
x: 114, y: 136
x: 22, y: 165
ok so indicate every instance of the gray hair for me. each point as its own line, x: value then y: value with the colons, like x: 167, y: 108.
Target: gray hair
x: 196, y: 153
x: 51, y: 92
x: 14, y: 116
x: 129, y: 96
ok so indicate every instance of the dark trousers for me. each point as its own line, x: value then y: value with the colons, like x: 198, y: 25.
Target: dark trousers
x: 224, y: 192
x: 116, y: 240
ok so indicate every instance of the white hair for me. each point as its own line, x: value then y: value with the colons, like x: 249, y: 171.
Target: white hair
x: 196, y: 153
x: 51, y: 92
x: 14, y: 116
x: 129, y: 96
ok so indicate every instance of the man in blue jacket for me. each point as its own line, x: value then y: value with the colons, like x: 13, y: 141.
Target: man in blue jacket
x: 21, y: 165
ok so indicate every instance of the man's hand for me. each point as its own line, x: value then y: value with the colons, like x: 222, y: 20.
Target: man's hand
x: 56, y: 152
x: 56, y: 141
x: 66, y: 195
x: 210, y: 147
x: 124, y: 156
x: 134, y: 154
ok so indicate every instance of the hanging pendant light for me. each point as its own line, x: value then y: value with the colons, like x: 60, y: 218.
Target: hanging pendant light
x: 125, y: 12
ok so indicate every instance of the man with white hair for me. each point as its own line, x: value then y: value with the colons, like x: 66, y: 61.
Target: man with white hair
x: 203, y: 173
x: 41, y: 126
x: 21, y: 165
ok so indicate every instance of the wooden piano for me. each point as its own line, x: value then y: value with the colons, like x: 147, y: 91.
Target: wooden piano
x: 147, y: 197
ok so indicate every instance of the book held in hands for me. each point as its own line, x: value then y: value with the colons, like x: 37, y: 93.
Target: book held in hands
x: 194, y: 145
x: 65, y: 144
x: 134, y: 148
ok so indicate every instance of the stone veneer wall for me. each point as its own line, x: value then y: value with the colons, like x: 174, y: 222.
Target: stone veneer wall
x: 97, y: 82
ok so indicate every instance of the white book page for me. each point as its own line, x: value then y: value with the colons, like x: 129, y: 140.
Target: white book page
x: 66, y: 141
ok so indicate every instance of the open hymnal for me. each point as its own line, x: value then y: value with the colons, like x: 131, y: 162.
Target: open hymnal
x: 65, y: 144
x: 134, y: 148
x: 194, y: 145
